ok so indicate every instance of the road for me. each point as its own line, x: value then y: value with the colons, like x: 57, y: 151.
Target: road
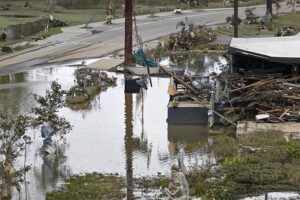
x: 100, y: 40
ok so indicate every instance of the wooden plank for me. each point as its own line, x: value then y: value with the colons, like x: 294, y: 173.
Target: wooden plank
x: 259, y: 83
x: 270, y: 114
x: 188, y: 86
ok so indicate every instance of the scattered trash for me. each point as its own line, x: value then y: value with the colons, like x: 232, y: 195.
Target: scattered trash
x: 177, y: 11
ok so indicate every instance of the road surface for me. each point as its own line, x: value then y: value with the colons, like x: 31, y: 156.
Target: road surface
x: 100, y: 40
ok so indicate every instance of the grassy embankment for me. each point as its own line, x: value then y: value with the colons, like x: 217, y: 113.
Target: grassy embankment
x: 224, y: 34
x: 280, y: 21
x: 248, y: 165
x: 90, y: 187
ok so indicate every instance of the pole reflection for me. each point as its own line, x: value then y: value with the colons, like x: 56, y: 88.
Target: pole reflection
x: 129, y: 145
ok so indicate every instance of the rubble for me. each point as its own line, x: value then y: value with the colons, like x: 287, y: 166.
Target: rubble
x: 230, y: 20
x: 190, y: 35
x: 88, y: 83
x: 269, y: 98
x: 251, y: 18
x: 286, y: 31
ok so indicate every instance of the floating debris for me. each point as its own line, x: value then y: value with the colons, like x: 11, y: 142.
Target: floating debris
x: 88, y: 83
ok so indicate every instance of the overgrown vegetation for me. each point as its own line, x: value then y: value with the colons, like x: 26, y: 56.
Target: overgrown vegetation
x: 13, y: 138
x: 13, y: 141
x: 247, y: 165
x: 90, y: 187
x: 244, y: 166
x: 47, y: 110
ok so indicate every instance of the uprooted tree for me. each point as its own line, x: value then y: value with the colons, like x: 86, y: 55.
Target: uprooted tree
x: 13, y: 138
x: 13, y: 141
x: 47, y: 110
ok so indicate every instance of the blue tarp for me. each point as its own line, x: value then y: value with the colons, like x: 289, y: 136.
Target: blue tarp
x: 47, y: 133
x: 142, y: 59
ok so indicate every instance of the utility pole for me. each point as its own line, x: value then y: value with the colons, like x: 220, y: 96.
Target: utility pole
x: 128, y: 32
x: 235, y: 18
x: 269, y: 7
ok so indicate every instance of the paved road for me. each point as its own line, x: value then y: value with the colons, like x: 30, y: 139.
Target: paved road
x: 100, y: 40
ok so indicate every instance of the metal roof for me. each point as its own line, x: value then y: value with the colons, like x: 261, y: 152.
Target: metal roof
x: 276, y: 49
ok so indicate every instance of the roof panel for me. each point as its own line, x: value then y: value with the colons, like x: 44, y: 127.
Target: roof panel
x: 276, y: 47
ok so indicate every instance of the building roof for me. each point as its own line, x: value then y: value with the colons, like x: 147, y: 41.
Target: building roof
x: 276, y: 49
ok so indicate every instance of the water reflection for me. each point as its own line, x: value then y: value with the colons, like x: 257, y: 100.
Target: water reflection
x: 103, y: 139
x: 129, y: 145
x: 13, y: 78
x: 188, y: 133
x: 200, y: 64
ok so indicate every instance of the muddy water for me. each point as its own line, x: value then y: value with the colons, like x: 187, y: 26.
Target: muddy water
x: 116, y: 133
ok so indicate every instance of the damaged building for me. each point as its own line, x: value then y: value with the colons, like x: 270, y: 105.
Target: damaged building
x: 266, y: 55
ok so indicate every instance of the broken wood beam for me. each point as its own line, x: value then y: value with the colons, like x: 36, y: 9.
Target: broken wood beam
x: 270, y: 114
x: 178, y: 79
x: 259, y: 83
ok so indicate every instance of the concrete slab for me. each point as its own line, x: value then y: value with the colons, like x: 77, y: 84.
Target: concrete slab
x: 247, y: 127
x: 106, y: 63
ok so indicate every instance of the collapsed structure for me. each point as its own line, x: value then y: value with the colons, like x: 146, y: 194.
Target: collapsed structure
x: 262, y: 85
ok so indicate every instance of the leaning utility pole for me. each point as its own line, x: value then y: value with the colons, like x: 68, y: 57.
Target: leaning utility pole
x: 269, y: 7
x: 236, y: 18
x: 128, y: 32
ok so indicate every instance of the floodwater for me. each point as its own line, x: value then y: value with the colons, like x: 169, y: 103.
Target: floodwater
x: 116, y: 133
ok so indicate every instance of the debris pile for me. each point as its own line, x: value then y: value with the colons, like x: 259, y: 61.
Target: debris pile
x: 230, y: 20
x: 251, y: 18
x: 88, y: 84
x: 265, y: 98
x: 6, y: 49
x: 190, y: 35
x: 54, y: 23
x: 286, y: 31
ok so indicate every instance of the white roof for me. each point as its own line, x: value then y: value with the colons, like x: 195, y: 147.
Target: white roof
x: 271, y: 47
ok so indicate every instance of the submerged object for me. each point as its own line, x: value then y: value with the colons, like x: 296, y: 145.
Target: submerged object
x: 132, y: 86
x: 47, y: 131
x: 187, y: 113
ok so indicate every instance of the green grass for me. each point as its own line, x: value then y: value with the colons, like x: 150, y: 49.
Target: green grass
x: 281, y: 21
x: 244, y: 4
x: 90, y: 187
x: 288, y: 19
x: 271, y: 164
x: 245, y: 166
x: 52, y: 31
